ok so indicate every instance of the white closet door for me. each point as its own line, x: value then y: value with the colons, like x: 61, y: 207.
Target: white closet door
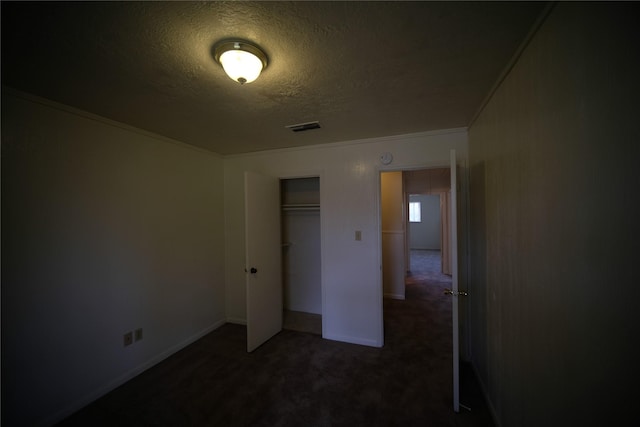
x: 263, y: 258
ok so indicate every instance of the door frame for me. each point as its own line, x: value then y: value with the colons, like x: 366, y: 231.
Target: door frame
x: 462, y: 230
x: 380, y: 171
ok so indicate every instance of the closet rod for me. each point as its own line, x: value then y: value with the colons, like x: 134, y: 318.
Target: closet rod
x: 301, y: 207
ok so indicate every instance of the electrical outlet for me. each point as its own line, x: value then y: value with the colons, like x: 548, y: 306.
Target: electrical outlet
x: 358, y: 235
x: 128, y: 338
x: 138, y: 334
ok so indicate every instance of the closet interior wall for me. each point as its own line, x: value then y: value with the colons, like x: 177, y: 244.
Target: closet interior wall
x: 300, y: 199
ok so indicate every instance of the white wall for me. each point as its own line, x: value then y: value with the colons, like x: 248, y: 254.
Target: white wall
x: 555, y: 207
x: 104, y: 229
x: 349, y: 186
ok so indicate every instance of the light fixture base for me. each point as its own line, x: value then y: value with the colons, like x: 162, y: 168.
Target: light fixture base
x: 244, y: 52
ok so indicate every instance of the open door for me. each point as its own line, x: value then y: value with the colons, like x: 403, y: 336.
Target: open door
x: 263, y: 258
x: 453, y: 227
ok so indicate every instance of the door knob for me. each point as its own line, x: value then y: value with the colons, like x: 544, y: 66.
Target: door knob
x: 450, y: 292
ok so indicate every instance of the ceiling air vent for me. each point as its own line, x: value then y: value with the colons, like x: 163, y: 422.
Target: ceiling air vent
x: 304, y: 126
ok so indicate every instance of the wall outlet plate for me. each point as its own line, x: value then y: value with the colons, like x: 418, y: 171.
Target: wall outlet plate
x: 138, y: 334
x: 128, y: 338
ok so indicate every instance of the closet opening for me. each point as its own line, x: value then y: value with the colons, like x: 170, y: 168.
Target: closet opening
x: 301, y: 265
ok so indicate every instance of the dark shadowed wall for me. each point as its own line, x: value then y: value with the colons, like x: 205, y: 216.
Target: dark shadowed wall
x: 105, y: 229
x: 554, y: 219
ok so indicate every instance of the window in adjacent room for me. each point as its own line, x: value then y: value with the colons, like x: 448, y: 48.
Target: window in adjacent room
x: 414, y: 212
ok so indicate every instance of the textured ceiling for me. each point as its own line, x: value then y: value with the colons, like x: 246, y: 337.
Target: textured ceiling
x: 362, y: 69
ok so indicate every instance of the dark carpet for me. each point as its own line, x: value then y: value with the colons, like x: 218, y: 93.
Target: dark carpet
x: 300, y: 379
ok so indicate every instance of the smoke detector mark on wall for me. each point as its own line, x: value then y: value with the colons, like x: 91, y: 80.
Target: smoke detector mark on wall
x: 304, y: 126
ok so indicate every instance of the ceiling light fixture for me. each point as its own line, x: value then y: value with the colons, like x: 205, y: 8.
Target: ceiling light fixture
x: 241, y: 60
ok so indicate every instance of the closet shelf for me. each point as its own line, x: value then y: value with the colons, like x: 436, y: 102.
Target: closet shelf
x: 301, y: 207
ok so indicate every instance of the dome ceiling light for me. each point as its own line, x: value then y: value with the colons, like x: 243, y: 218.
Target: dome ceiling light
x: 241, y: 60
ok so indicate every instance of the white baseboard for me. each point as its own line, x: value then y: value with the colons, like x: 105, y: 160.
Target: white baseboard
x: 394, y: 296
x: 236, y: 320
x: 112, y: 385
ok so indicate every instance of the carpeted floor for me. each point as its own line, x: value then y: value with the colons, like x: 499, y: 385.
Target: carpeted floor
x: 300, y: 379
x: 302, y: 322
